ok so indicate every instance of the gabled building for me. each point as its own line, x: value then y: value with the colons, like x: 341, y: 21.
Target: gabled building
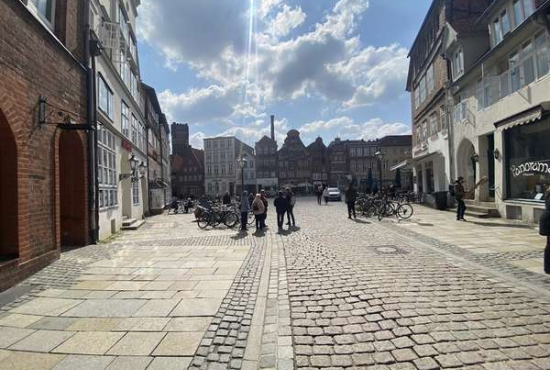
x: 266, y: 161
x: 294, y: 164
x: 501, y: 118
x: 428, y: 81
x: 319, y: 163
x: 339, y: 175
x: 186, y: 165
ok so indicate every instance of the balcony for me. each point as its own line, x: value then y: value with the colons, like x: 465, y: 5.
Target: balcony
x: 463, y: 115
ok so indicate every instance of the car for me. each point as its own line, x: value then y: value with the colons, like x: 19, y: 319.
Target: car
x: 334, y: 194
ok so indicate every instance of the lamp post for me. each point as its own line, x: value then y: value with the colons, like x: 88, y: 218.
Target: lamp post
x: 137, y: 171
x: 380, y: 157
x: 242, y: 163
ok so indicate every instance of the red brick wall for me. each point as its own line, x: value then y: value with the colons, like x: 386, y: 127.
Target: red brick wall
x: 33, y: 63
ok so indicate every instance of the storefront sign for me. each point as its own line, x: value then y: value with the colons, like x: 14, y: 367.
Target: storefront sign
x: 527, y: 169
x: 126, y: 145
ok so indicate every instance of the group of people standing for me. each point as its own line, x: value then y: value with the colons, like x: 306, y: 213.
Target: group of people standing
x: 284, y: 205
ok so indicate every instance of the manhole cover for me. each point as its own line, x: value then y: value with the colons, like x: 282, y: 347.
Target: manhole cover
x: 390, y: 249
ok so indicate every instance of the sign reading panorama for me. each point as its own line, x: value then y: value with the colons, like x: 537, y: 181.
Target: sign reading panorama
x: 527, y: 169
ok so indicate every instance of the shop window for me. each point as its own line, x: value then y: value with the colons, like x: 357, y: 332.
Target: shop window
x: 528, y: 161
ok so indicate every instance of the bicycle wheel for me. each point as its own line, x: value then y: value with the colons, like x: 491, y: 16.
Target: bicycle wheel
x: 405, y: 211
x: 382, y: 212
x: 230, y: 220
x: 216, y: 219
x: 204, y: 221
x: 251, y: 218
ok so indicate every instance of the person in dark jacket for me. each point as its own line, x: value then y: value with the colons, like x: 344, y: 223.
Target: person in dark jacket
x: 544, y: 230
x: 319, y: 193
x: 351, y: 198
x: 460, y: 193
x: 226, y: 199
x: 266, y: 204
x: 281, y: 206
x: 291, y: 199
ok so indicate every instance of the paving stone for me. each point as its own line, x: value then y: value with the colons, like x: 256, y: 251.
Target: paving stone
x: 29, y: 360
x: 130, y: 363
x: 89, y: 343
x: 42, y: 341
x: 426, y: 363
x: 137, y: 344
x: 73, y: 362
x: 179, y: 344
x: 106, y: 308
x: 9, y: 336
x: 169, y: 363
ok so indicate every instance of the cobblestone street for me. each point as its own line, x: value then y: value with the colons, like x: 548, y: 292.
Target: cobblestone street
x: 331, y: 293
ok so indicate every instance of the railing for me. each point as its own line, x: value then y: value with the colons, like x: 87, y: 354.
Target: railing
x: 462, y: 114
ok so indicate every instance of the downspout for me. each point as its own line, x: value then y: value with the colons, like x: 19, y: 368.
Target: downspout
x: 91, y: 134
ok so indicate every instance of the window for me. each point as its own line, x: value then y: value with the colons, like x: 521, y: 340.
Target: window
x: 497, y: 32
x: 134, y: 129
x: 528, y: 161
x: 125, y: 119
x: 430, y: 76
x: 433, y: 124
x: 107, y: 172
x: 416, y: 98
x: 105, y: 97
x: 505, y: 22
x: 45, y: 9
x: 458, y: 63
x: 519, y: 15
x: 135, y: 192
x: 443, y: 117
x: 542, y: 54
x: 528, y: 7
x: 422, y: 88
x: 133, y: 85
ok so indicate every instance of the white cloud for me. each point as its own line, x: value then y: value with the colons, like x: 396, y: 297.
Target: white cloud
x: 346, y: 128
x: 285, y: 21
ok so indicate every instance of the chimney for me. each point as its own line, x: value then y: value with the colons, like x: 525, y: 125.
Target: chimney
x: 272, y: 127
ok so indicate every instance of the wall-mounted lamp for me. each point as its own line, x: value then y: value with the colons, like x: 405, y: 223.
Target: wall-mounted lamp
x: 496, y: 153
x: 138, y: 171
x: 475, y: 157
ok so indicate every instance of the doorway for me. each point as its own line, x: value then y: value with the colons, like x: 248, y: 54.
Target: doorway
x: 491, y: 166
x: 466, y: 161
x: 72, y: 190
x: 9, y: 236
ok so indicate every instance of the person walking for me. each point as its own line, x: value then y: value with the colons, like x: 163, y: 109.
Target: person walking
x: 245, y: 209
x: 544, y: 229
x: 251, y: 199
x: 325, y: 195
x: 258, y: 208
x: 266, y: 204
x: 291, y: 199
x: 281, y: 206
x: 351, y: 198
x: 459, y: 196
x: 319, y: 193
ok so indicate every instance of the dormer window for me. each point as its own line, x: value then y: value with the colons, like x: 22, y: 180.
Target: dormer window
x: 45, y: 10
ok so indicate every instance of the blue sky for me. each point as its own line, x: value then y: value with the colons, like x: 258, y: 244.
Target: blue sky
x: 325, y: 67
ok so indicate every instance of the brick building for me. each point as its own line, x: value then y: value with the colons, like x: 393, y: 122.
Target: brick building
x: 294, y: 164
x: 319, y: 160
x: 43, y: 168
x: 187, y: 165
x: 266, y: 161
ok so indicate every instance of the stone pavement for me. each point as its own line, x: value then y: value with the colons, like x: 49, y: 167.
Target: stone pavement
x: 332, y: 293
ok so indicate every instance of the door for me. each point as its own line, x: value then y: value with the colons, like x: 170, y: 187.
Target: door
x: 491, y: 166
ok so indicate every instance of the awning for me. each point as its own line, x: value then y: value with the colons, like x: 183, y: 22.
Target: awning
x: 403, y: 165
x: 525, y: 117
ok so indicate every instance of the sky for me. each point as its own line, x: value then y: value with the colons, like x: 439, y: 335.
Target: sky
x: 328, y: 68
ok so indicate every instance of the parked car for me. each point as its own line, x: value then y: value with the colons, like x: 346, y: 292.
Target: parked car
x: 334, y: 195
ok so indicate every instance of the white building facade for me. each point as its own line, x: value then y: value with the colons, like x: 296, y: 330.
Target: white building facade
x: 122, y: 131
x: 501, y: 117
x: 223, y: 165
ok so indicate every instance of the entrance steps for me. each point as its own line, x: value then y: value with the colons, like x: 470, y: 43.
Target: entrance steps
x: 481, y: 209
x: 131, y: 224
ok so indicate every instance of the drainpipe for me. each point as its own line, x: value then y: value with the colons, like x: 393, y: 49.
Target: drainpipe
x: 93, y: 214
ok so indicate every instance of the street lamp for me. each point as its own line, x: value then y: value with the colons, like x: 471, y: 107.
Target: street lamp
x: 138, y: 171
x: 242, y: 163
x: 380, y: 157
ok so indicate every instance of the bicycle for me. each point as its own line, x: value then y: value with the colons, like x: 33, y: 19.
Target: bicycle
x: 215, y: 216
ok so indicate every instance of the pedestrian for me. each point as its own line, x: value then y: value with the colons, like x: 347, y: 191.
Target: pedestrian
x: 325, y: 195
x: 251, y: 199
x: 544, y: 230
x: 258, y: 208
x: 266, y: 204
x: 459, y: 196
x: 245, y: 209
x: 351, y: 198
x: 291, y: 199
x: 319, y: 193
x: 281, y: 206
x: 226, y: 199
x: 188, y: 204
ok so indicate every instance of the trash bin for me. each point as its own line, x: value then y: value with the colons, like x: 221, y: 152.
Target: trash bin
x: 441, y: 200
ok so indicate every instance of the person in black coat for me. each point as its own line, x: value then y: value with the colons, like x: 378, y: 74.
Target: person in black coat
x: 226, y: 200
x: 544, y: 230
x: 351, y: 198
x: 281, y: 206
x: 266, y: 204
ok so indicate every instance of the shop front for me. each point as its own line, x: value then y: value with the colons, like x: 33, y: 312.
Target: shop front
x: 527, y: 168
